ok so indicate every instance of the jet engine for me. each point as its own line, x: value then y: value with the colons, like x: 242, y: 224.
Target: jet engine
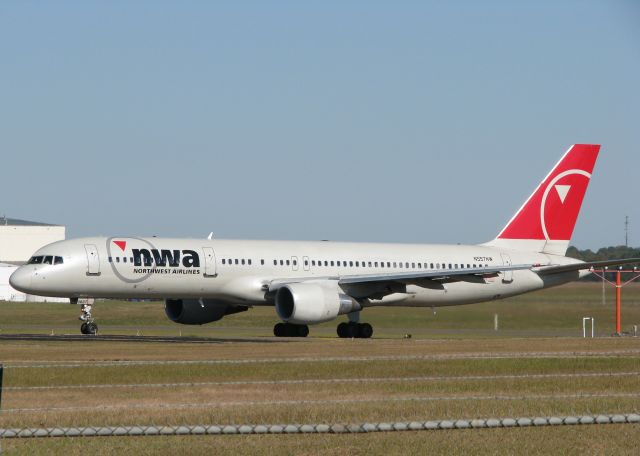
x: 198, y: 311
x: 312, y: 303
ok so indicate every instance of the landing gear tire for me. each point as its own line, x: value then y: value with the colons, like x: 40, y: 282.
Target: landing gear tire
x: 290, y: 330
x: 279, y: 330
x: 365, y: 330
x: 89, y: 328
x: 354, y: 330
x: 92, y: 328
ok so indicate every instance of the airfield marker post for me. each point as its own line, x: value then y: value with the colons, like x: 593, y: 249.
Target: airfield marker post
x: 618, y: 299
x: 1, y: 375
x: 584, y: 326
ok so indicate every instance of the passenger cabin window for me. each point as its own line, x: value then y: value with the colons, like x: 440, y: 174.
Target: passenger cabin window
x: 262, y: 262
x: 224, y: 261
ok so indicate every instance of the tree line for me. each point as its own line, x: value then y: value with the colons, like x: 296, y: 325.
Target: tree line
x: 605, y: 253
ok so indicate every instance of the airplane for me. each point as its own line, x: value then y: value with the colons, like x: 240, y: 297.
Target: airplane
x: 202, y: 280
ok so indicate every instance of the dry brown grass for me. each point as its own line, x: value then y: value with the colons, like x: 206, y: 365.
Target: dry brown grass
x: 239, y: 404
x: 21, y: 351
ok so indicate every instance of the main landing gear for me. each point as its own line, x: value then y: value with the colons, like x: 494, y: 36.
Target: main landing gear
x: 355, y: 330
x: 290, y: 330
x: 88, y: 326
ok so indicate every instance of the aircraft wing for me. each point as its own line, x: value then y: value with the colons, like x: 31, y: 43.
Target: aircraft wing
x: 545, y: 270
x: 438, y: 275
x: 441, y: 275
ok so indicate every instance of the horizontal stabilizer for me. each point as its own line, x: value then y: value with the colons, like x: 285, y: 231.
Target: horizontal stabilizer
x: 544, y: 270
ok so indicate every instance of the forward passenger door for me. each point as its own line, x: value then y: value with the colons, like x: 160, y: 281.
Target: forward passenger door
x: 209, y: 262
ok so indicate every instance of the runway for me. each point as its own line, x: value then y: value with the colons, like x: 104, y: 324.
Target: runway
x: 131, y: 338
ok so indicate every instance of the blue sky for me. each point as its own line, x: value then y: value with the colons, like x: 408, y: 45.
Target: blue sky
x: 373, y: 121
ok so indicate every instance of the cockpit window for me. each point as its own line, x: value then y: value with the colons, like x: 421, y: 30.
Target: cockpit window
x: 48, y: 259
x: 57, y: 260
x: 35, y: 260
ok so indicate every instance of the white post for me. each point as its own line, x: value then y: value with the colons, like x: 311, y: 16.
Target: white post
x: 584, y: 326
x: 495, y: 322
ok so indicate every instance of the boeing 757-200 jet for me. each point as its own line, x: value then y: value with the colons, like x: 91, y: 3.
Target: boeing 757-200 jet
x: 202, y: 280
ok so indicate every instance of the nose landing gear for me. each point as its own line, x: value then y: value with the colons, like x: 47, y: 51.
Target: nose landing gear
x: 88, y: 326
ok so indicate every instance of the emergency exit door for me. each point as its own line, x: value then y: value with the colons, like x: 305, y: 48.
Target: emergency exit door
x: 508, y: 275
x: 93, y: 259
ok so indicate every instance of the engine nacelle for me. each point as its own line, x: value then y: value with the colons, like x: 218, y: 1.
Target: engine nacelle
x: 198, y: 311
x: 312, y: 303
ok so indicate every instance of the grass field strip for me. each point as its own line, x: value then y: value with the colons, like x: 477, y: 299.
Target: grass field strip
x: 498, y: 397
x: 316, y: 359
x: 331, y: 380
x: 234, y: 429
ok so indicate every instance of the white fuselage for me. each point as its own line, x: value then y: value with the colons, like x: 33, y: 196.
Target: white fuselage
x: 240, y: 271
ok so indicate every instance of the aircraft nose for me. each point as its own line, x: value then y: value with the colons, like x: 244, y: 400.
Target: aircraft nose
x: 21, y: 279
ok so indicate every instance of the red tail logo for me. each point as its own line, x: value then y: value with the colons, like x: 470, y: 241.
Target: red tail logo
x: 551, y: 211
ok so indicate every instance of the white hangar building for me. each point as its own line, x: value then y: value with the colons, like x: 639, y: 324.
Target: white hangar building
x: 18, y: 240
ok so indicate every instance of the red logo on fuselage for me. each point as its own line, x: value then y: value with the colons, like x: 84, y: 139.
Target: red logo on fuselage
x: 121, y: 244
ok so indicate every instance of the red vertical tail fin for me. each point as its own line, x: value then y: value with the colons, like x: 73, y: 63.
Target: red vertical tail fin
x: 545, y: 222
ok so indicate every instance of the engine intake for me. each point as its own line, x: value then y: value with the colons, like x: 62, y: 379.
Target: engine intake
x: 312, y: 303
x: 198, y: 311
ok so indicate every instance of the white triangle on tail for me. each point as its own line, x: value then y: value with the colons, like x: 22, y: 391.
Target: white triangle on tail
x: 562, y: 191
